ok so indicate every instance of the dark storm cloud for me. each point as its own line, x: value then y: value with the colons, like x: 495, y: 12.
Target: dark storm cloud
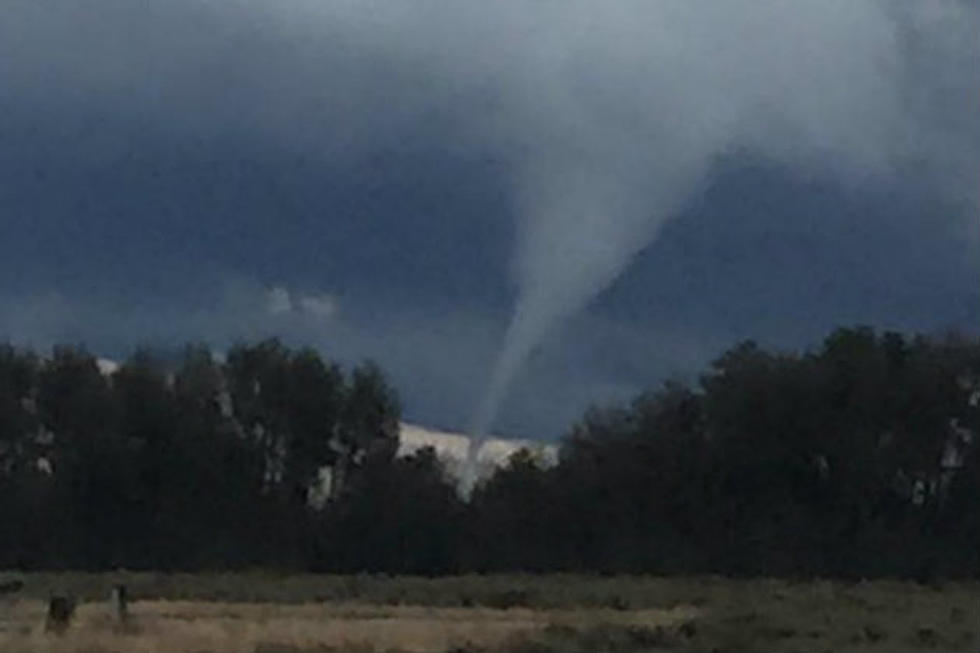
x: 656, y: 83
x: 387, y: 153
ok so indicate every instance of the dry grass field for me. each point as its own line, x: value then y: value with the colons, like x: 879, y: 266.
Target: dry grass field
x: 522, y: 614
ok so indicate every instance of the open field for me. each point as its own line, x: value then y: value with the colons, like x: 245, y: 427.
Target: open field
x: 525, y: 614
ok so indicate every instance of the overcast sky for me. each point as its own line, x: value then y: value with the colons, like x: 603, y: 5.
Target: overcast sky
x: 642, y: 183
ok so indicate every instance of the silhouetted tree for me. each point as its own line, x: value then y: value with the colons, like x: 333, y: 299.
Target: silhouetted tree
x: 89, y: 460
x: 512, y: 523
x: 398, y: 515
x: 857, y: 458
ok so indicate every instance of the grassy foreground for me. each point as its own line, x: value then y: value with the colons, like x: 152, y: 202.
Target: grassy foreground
x: 523, y: 614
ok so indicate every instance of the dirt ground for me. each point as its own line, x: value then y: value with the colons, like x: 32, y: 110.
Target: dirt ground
x: 523, y: 614
x: 169, y: 626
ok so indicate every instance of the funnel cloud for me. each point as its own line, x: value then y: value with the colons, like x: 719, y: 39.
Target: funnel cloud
x: 637, y: 104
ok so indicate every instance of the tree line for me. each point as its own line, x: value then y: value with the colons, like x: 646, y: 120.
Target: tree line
x: 859, y: 458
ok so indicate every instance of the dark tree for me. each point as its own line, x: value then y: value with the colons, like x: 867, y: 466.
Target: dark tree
x: 398, y: 516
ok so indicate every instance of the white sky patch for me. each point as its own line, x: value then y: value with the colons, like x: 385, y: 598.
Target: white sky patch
x: 322, y: 306
x: 278, y: 301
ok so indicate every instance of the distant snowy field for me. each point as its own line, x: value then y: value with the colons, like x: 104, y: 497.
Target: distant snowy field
x: 451, y: 448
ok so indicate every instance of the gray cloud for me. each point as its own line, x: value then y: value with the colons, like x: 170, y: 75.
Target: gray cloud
x: 545, y: 85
